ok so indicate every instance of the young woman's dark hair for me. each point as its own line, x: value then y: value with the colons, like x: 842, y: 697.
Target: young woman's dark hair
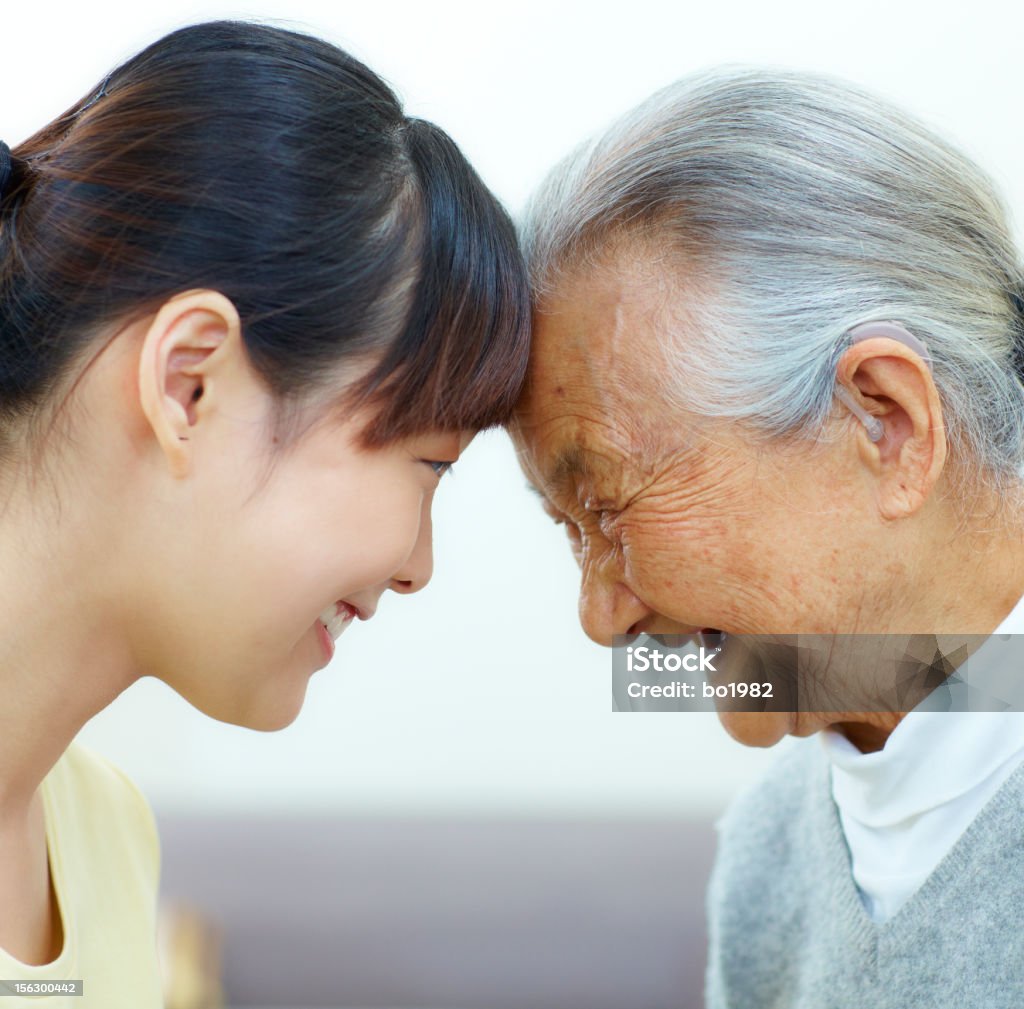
x: 275, y: 168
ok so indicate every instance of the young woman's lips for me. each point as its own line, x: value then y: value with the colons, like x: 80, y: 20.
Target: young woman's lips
x: 334, y: 621
x: 326, y: 640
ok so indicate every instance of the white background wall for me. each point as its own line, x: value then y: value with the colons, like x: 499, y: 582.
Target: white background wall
x: 482, y: 694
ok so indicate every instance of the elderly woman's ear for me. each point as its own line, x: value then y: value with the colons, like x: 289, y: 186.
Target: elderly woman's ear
x: 893, y: 384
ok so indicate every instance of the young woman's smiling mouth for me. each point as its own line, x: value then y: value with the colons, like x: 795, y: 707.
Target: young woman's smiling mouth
x: 334, y: 620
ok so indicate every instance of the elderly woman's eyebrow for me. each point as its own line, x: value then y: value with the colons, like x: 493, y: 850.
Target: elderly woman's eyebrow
x: 571, y: 462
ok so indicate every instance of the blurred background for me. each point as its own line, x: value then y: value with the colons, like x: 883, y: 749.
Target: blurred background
x: 458, y: 818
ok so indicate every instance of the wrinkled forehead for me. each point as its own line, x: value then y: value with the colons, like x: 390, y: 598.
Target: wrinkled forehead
x: 594, y: 395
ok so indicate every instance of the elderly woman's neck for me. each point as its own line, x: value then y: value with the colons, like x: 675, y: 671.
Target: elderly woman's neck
x: 968, y: 577
x: 870, y: 736
x: 972, y: 573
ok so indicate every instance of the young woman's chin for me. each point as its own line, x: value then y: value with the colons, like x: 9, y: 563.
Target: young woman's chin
x: 266, y: 699
x: 274, y: 717
x: 269, y: 709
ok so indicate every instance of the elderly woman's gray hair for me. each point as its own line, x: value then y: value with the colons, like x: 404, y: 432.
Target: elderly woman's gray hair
x: 803, y: 206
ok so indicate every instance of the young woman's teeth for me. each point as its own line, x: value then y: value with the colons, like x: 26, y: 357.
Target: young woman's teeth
x: 336, y: 618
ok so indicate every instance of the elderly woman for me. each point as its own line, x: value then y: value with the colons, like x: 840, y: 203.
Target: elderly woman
x: 776, y: 387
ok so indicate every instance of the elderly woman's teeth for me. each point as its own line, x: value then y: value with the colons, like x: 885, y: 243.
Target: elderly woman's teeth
x: 336, y: 619
x: 711, y: 637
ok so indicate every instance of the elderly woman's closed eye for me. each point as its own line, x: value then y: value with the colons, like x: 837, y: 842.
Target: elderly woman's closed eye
x: 775, y: 388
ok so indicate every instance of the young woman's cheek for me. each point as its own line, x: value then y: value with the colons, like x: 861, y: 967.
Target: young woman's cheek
x: 390, y: 530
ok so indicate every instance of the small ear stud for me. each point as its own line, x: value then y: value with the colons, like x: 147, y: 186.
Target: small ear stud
x: 892, y: 331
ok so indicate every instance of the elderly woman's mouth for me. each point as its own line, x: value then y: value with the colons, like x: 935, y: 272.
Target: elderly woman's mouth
x: 711, y: 637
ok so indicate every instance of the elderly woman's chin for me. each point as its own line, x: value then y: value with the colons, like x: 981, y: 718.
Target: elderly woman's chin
x: 757, y: 728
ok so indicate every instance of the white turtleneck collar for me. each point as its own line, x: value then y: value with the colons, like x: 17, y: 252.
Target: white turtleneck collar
x: 903, y: 807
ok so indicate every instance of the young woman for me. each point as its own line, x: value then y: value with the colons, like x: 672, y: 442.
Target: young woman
x: 249, y: 315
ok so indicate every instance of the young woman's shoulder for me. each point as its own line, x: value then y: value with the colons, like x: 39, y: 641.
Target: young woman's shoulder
x: 104, y: 861
x: 99, y: 806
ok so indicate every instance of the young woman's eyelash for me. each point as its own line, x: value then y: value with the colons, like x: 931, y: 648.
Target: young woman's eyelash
x: 445, y: 467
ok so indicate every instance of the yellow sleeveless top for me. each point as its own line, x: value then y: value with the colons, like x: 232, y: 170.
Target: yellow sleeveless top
x: 105, y: 867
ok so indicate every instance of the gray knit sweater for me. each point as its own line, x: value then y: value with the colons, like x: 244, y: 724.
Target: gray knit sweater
x: 788, y: 929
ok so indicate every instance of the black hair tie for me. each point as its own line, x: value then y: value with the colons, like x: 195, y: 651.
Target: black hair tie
x: 6, y: 169
x: 14, y: 174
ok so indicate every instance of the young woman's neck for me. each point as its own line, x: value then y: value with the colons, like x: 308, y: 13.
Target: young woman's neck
x: 62, y: 656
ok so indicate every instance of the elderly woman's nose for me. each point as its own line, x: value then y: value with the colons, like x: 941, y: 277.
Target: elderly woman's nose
x: 607, y: 607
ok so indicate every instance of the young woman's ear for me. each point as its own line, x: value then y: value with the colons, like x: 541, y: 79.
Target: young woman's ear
x: 193, y: 344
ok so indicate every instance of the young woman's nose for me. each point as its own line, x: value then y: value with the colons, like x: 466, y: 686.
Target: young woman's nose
x: 419, y: 566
